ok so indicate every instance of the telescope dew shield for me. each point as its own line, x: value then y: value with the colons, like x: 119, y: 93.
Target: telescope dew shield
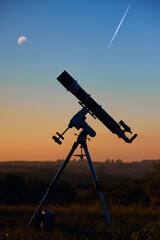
x: 71, y: 85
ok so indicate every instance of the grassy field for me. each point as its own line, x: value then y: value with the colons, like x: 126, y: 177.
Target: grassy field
x: 82, y: 222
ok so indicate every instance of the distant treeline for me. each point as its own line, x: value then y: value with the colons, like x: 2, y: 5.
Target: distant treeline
x: 77, y: 171
x: 15, y: 190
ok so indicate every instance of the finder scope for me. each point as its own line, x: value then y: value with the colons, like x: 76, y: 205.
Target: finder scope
x: 96, y: 110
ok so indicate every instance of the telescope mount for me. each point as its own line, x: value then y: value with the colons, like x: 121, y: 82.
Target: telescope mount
x: 78, y: 121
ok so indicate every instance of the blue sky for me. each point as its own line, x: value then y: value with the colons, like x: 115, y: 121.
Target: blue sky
x: 74, y: 35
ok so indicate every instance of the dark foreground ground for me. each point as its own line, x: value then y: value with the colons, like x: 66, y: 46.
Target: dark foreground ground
x: 131, y: 192
x: 83, y: 222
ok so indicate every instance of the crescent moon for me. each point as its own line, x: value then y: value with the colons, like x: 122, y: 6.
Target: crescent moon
x: 21, y: 40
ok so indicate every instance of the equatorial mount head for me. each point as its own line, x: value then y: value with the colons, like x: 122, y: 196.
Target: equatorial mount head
x: 77, y: 121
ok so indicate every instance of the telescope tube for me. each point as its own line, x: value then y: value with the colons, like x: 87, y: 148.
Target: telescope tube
x: 71, y: 85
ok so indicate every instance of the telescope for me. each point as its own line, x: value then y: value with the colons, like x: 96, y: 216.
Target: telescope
x: 78, y: 121
x: 93, y: 108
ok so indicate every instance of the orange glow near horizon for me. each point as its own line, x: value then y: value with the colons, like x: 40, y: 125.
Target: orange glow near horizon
x: 29, y: 140
x: 27, y: 129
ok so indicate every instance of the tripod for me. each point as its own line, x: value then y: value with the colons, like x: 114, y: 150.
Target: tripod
x: 80, y: 140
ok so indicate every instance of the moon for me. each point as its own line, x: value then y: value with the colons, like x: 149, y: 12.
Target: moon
x: 21, y: 40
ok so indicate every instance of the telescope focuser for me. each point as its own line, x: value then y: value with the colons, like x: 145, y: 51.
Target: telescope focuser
x: 132, y: 138
x: 127, y: 129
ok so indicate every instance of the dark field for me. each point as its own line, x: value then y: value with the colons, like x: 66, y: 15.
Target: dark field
x: 79, y: 222
x: 131, y: 192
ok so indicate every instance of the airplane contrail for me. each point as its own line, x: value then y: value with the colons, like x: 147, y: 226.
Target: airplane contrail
x: 119, y: 26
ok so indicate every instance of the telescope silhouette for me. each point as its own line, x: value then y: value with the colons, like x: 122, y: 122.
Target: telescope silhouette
x: 78, y: 121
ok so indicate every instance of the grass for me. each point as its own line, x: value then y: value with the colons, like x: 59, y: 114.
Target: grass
x: 83, y: 222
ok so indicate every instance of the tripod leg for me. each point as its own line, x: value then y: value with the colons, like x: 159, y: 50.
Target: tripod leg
x: 54, y: 181
x: 97, y: 185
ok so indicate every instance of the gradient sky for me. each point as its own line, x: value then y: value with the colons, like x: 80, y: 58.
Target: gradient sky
x: 74, y: 36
